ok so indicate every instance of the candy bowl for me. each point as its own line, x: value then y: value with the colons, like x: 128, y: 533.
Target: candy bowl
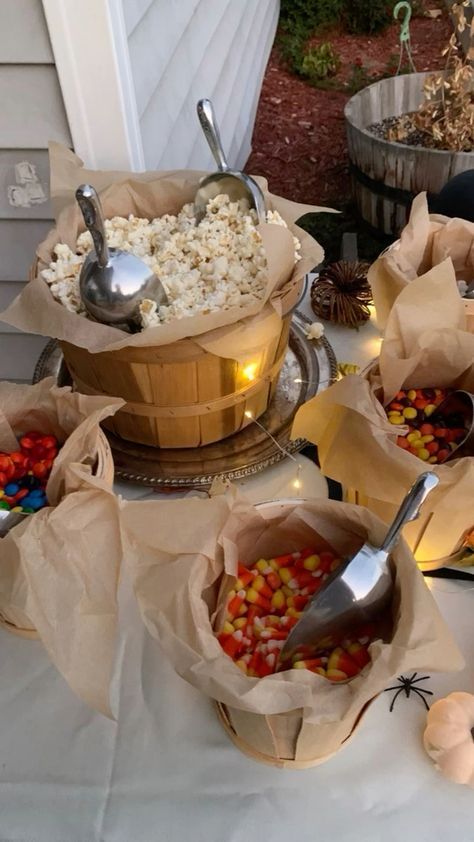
x: 436, y: 426
x: 48, y: 435
x: 208, y: 587
x: 350, y: 671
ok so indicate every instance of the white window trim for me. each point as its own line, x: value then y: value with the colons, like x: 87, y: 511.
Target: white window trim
x: 90, y: 47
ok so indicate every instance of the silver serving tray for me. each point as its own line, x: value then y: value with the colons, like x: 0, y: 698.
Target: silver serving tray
x: 309, y: 367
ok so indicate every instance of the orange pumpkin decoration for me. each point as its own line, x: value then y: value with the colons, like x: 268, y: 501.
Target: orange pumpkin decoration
x: 449, y: 737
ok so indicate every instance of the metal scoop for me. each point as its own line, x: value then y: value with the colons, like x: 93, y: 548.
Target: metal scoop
x: 470, y: 291
x: 235, y: 184
x: 112, y: 282
x: 9, y: 519
x: 459, y: 403
x: 359, y: 590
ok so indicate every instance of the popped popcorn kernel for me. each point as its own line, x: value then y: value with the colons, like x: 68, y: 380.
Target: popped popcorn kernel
x: 214, y: 265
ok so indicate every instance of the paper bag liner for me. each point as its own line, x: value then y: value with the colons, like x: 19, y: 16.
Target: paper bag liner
x: 103, y: 469
x: 59, y: 567
x: 425, y: 242
x: 149, y: 194
x: 74, y: 420
x: 424, y: 346
x: 183, y: 557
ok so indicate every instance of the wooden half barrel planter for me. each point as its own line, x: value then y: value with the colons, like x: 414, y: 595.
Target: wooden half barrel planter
x: 387, y: 175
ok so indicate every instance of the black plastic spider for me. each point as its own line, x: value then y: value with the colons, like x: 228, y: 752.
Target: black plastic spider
x: 406, y: 684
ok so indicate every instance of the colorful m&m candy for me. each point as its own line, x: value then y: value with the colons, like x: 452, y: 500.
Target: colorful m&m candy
x: 24, y: 473
x: 427, y: 436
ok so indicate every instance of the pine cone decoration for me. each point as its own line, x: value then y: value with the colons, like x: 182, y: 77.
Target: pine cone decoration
x: 341, y: 293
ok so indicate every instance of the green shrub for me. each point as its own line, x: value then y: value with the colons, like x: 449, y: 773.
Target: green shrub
x: 367, y: 16
x: 320, y: 62
x: 291, y: 47
x: 303, y: 17
x: 310, y: 14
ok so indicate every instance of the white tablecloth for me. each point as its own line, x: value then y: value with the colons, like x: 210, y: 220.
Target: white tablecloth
x: 165, y: 769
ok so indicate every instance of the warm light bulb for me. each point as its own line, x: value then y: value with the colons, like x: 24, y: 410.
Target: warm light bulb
x: 297, y: 483
x: 249, y: 371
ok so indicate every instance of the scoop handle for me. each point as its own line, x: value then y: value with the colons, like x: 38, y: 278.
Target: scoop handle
x: 91, y: 209
x: 207, y: 118
x: 410, y: 508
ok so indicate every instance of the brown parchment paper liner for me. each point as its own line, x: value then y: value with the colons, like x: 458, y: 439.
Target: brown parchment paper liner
x: 59, y: 567
x: 426, y: 241
x: 424, y: 346
x: 178, y: 553
x: 152, y: 194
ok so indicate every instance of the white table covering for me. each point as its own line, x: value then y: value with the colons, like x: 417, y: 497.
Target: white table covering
x: 166, y: 770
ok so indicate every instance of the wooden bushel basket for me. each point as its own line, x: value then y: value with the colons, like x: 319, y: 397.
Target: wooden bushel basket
x: 180, y: 395
x: 279, y: 739
x: 417, y: 533
x: 16, y: 621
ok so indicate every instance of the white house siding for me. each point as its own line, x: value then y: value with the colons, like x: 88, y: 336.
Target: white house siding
x: 32, y: 112
x: 183, y: 50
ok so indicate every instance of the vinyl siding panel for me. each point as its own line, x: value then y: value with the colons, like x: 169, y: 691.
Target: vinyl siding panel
x: 183, y: 50
x: 32, y: 107
x: 32, y: 114
x: 18, y: 242
x: 9, y: 291
x: 24, y: 35
x: 133, y: 12
x: 18, y: 355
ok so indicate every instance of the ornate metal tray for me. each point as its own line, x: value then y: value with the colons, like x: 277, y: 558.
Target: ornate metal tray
x: 309, y: 367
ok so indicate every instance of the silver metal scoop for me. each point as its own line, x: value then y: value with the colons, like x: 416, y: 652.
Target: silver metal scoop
x: 470, y: 291
x: 359, y: 590
x: 112, y: 282
x: 235, y: 184
x: 10, y: 519
x: 459, y: 403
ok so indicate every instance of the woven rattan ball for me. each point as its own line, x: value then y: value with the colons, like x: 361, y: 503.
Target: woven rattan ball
x: 342, y: 293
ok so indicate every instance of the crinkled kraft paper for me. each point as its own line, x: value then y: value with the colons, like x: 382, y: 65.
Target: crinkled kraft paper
x: 425, y: 346
x: 425, y: 242
x: 151, y: 194
x: 59, y: 567
x: 183, y: 557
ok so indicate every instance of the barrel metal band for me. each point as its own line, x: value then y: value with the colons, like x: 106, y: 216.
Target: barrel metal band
x: 396, y: 194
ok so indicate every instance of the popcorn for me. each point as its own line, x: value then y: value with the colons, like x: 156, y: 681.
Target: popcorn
x: 314, y: 331
x: 216, y: 265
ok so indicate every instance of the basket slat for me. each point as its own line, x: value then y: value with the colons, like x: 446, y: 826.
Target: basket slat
x: 180, y: 395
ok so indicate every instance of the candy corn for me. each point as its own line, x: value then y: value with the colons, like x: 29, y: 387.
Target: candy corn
x: 268, y: 599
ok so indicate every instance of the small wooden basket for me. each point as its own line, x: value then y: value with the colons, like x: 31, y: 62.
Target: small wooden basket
x: 283, y: 739
x: 15, y: 620
x: 469, y: 308
x: 417, y: 533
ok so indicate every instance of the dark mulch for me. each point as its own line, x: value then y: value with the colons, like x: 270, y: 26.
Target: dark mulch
x: 299, y: 141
